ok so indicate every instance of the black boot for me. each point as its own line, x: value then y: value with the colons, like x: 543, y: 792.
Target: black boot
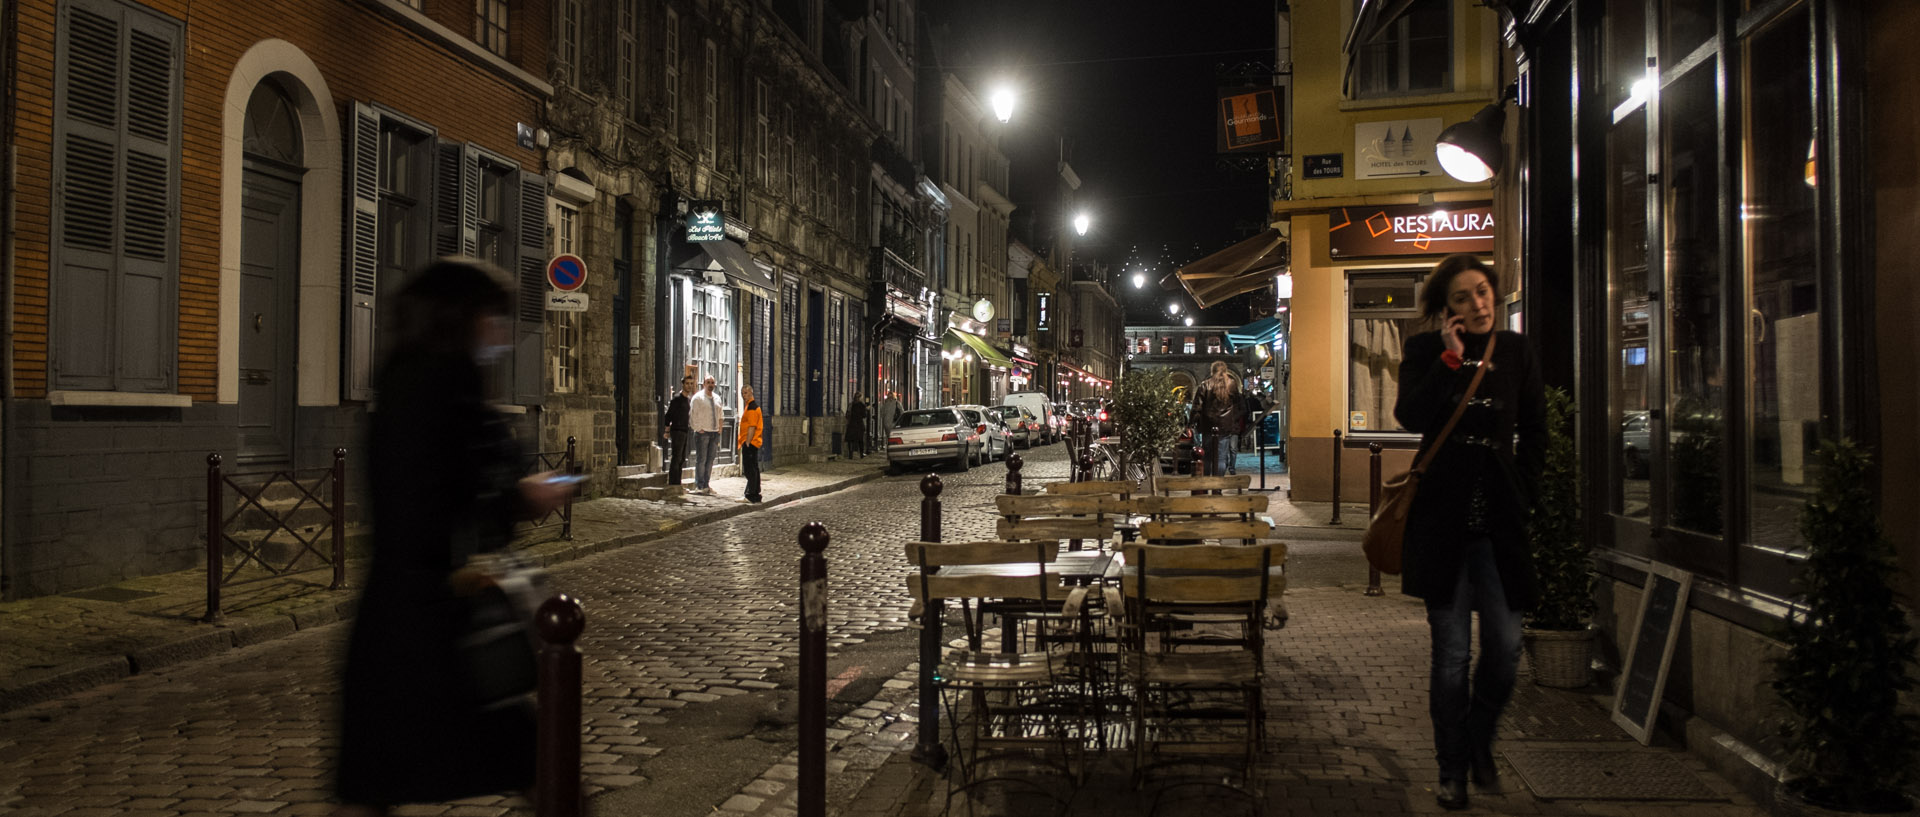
x: 1451, y: 794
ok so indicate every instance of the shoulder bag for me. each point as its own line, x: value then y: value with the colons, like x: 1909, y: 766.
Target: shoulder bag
x: 1387, y: 531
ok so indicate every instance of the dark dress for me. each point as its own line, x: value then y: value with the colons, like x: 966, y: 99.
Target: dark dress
x: 857, y: 428
x: 443, y: 467
x: 1481, y: 451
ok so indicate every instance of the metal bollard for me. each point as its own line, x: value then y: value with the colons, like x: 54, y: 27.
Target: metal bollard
x: 1336, y: 477
x: 1014, y: 463
x: 339, y: 509
x: 566, y: 513
x: 556, y: 789
x: 928, y: 751
x: 813, y: 670
x: 214, y: 538
x: 1373, y: 507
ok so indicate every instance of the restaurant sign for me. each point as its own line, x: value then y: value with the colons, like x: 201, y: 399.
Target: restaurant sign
x: 1410, y: 229
x: 706, y: 221
x: 1249, y: 121
x: 1043, y: 312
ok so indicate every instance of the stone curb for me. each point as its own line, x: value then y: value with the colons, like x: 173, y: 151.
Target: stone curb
x: 87, y: 673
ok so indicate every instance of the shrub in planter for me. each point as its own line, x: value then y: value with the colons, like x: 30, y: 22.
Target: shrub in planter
x: 1151, y: 414
x: 1558, y: 637
x: 1849, y: 648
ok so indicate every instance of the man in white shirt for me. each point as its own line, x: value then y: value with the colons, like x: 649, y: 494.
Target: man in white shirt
x: 705, y: 414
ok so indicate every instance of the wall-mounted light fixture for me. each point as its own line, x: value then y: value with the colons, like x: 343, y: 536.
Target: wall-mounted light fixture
x: 1472, y: 151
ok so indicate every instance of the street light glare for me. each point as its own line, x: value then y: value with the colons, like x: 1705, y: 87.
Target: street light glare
x: 1139, y: 280
x: 1173, y: 309
x: 1003, y: 105
x: 1080, y: 222
x: 1189, y: 320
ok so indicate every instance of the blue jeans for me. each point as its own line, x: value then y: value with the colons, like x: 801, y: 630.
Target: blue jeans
x: 706, y: 446
x: 1463, y: 721
x: 1218, y: 449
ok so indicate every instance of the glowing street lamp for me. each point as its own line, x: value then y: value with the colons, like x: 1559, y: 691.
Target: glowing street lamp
x: 1139, y: 280
x: 1003, y: 105
x: 1080, y: 222
x: 1189, y: 320
x: 1173, y: 309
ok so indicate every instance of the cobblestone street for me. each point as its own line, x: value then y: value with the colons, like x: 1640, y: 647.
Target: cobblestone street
x: 693, y: 627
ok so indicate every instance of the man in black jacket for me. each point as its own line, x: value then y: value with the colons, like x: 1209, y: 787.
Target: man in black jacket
x: 677, y: 429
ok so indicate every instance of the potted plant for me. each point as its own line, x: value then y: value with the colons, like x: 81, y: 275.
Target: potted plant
x: 1558, y: 633
x: 1849, y: 647
x: 1152, y: 415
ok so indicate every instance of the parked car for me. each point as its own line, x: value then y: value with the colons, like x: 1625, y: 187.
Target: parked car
x: 1025, y: 429
x: 1636, y: 439
x: 1041, y: 408
x: 933, y: 437
x: 994, y: 441
x: 1098, y: 413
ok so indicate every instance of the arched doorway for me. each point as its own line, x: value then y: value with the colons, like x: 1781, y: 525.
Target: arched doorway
x: 272, y: 167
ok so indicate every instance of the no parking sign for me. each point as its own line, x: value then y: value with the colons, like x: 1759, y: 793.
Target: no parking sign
x: 566, y: 272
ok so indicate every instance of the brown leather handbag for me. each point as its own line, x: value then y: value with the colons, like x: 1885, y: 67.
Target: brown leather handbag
x: 1387, y: 531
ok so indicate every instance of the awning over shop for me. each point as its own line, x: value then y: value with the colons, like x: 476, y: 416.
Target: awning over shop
x: 1243, y: 267
x: 980, y: 348
x: 1369, y: 22
x: 1265, y: 330
x: 714, y: 259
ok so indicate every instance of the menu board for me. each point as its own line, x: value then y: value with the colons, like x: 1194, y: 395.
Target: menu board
x: 1663, y: 605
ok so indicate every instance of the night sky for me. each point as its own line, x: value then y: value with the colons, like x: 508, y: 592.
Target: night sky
x: 1131, y: 84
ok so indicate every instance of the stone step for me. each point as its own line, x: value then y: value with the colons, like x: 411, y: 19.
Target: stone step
x: 637, y: 486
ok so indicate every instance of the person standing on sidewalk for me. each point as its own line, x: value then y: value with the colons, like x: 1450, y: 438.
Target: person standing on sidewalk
x: 677, y: 430
x: 857, y: 427
x: 446, y: 483
x: 1219, y: 414
x: 1466, y: 546
x: 889, y: 414
x: 751, y: 424
x: 707, y: 414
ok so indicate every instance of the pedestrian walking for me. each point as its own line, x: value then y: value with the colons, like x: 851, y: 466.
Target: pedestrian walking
x: 751, y: 424
x: 1466, y: 548
x: 889, y: 416
x: 857, y: 427
x: 676, y: 429
x: 1219, y: 415
x: 445, y: 484
x: 704, y: 408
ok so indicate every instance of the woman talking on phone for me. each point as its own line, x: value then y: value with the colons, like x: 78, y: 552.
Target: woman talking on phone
x: 1466, y: 546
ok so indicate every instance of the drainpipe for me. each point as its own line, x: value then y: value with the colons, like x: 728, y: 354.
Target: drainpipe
x: 9, y: 22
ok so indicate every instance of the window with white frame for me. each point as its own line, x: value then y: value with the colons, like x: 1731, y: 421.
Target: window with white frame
x: 836, y: 395
x: 791, y: 382
x: 566, y: 39
x: 762, y: 130
x: 490, y: 25
x: 1383, y: 309
x: 1414, y: 55
x: 710, y: 102
x: 790, y: 161
x: 671, y: 97
x: 563, y: 328
x: 710, y: 336
x: 627, y: 67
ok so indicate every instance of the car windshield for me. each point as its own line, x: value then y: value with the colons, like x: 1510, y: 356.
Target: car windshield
x: 928, y: 419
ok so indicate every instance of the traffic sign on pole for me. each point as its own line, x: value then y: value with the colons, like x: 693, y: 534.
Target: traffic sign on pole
x: 566, y: 272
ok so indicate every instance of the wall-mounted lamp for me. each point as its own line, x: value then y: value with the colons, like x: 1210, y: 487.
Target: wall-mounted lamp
x: 1472, y: 151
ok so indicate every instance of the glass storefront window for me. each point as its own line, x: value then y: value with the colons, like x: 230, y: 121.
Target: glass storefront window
x: 1684, y: 26
x: 1625, y: 38
x: 1783, y: 302
x: 1383, y: 309
x: 1695, y: 301
x: 1628, y: 315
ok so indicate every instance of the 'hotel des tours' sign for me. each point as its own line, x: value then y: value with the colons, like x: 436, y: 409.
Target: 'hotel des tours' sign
x: 1410, y: 229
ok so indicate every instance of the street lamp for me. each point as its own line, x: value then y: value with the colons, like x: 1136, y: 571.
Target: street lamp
x: 1003, y: 107
x: 1173, y: 309
x: 1189, y: 320
x: 1139, y: 280
x: 1080, y: 222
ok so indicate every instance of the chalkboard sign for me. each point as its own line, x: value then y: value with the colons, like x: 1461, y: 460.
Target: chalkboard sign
x: 1663, y: 602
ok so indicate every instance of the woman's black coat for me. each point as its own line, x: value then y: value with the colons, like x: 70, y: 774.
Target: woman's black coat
x: 1437, y: 522
x: 443, y: 467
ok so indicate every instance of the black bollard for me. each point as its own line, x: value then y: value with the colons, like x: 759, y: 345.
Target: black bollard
x: 1336, y: 477
x: 556, y: 789
x: 216, y: 537
x: 813, y: 671
x: 928, y: 751
x: 337, y: 479
x: 1014, y: 463
x: 1373, y: 507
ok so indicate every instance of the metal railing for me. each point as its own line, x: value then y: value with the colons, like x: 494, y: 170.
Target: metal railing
x: 317, y: 489
x: 555, y: 461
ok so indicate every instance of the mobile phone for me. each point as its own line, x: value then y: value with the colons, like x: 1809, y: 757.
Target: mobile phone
x: 566, y: 479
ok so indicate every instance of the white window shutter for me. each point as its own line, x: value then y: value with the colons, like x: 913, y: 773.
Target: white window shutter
x: 363, y: 250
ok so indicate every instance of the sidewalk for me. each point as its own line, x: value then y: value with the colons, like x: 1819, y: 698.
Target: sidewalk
x: 53, y: 646
x: 1347, y: 734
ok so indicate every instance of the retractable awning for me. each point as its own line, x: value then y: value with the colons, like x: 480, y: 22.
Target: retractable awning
x: 1243, y: 267
x: 723, y: 258
x: 1265, y: 330
x: 981, y: 349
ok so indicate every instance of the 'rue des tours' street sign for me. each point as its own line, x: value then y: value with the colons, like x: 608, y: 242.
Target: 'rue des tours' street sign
x: 1410, y: 229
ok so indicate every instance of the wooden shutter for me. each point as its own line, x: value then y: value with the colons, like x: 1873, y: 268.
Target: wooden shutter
x: 530, y: 335
x: 456, y: 200
x: 363, y: 250
x: 116, y: 147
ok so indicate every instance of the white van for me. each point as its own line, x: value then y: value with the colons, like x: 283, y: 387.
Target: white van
x: 1042, y: 407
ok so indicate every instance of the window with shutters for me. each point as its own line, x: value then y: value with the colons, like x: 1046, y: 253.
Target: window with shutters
x: 856, y: 359
x: 566, y: 40
x: 790, y: 383
x: 671, y: 98
x: 490, y: 25
x: 564, y: 327
x: 116, y: 155
x: 627, y: 68
x: 710, y: 103
x: 836, y: 353
x: 790, y: 162
x: 762, y: 130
